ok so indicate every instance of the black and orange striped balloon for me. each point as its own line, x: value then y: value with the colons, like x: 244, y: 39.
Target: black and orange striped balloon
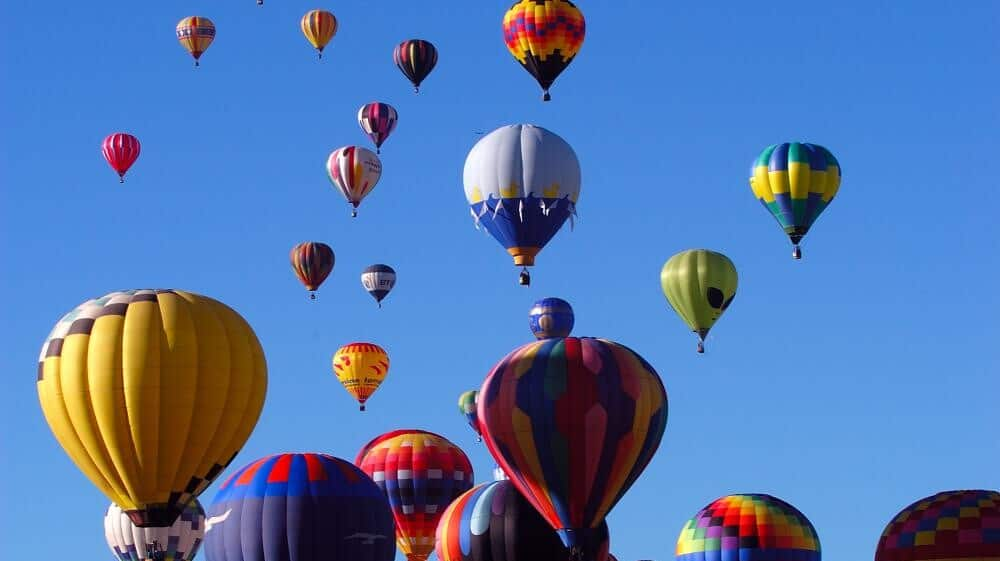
x: 312, y: 263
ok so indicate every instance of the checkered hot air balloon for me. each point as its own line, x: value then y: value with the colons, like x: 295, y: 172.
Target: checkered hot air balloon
x: 795, y: 181
x: 952, y: 525
x: 421, y: 473
x: 544, y: 36
x: 748, y: 527
x: 179, y: 542
x: 493, y: 522
x: 299, y: 507
x: 573, y: 422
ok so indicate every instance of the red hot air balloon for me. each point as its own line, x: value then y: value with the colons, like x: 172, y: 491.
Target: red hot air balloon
x: 120, y: 150
x: 312, y: 263
x: 415, y: 58
x: 378, y: 121
x: 573, y: 422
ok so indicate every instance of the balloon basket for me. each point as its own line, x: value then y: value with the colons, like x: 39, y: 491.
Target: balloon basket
x: 524, y: 279
x: 796, y: 252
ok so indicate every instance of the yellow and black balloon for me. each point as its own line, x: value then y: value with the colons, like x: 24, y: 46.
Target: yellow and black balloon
x: 152, y: 393
x: 699, y: 284
x: 319, y: 26
x: 544, y: 36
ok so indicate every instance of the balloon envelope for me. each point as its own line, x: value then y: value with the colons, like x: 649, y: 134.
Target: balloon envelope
x: 750, y: 526
x: 415, y: 58
x: 152, y: 393
x: 378, y: 280
x: 544, y: 36
x: 195, y: 34
x: 179, y: 542
x: 319, y: 26
x: 573, y: 422
x: 300, y: 507
x: 354, y: 171
x: 121, y: 150
x: 522, y: 183
x: 467, y: 407
x: 378, y: 120
x: 493, y: 522
x: 312, y: 262
x: 361, y: 368
x: 551, y: 317
x: 421, y: 473
x: 700, y: 285
x: 953, y: 525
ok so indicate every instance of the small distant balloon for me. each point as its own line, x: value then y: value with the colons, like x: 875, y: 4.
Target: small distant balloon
x: 699, y: 284
x: 319, y: 26
x: 378, y: 120
x: 544, y: 36
x: 361, y: 368
x: 415, y: 58
x: 312, y: 263
x: 354, y: 171
x: 378, y: 280
x: 467, y: 407
x: 196, y: 33
x: 551, y: 317
x: 121, y: 150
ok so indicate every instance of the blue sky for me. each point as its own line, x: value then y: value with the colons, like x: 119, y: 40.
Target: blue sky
x: 849, y: 383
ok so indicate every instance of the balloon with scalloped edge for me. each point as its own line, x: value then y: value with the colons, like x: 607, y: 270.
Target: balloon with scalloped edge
x: 361, y: 368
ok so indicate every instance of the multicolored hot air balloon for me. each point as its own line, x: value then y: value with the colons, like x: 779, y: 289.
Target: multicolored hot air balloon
x: 196, y: 33
x: 319, y: 26
x: 179, y: 542
x: 378, y: 120
x: 522, y: 183
x: 544, y: 36
x: 699, y: 284
x: 312, y: 263
x: 493, y: 522
x: 121, y: 150
x: 415, y: 58
x: 378, y: 280
x: 551, y: 317
x: 354, y: 171
x: 421, y: 473
x: 300, y: 507
x: 951, y: 525
x: 795, y: 182
x: 152, y: 352
x: 361, y: 367
x: 467, y: 407
x: 573, y: 422
x: 748, y: 527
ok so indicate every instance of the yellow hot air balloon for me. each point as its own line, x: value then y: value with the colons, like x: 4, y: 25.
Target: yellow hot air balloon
x: 196, y: 33
x: 319, y: 26
x: 699, y: 285
x: 361, y: 367
x: 152, y: 393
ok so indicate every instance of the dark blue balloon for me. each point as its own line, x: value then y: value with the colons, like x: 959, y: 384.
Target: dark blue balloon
x: 300, y: 507
x: 551, y: 317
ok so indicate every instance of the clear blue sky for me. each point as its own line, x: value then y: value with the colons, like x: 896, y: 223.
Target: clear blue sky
x: 849, y: 384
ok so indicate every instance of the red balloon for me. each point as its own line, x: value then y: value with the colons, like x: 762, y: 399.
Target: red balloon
x: 120, y: 150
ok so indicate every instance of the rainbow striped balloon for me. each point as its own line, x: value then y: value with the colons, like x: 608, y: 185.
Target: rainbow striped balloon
x: 948, y: 526
x: 751, y: 527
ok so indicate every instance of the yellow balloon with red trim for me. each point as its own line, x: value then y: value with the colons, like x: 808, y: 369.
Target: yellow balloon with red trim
x: 319, y: 26
x: 361, y: 368
x: 195, y: 34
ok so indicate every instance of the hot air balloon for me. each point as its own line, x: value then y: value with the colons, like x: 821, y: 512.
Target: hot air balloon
x: 415, y: 58
x: 551, y: 317
x: 361, y: 367
x: 196, y: 33
x: 522, y: 183
x: 378, y: 280
x: 752, y: 526
x: 544, y: 36
x: 121, y: 151
x: 300, y: 507
x: 378, y: 121
x: 953, y: 525
x: 179, y: 542
x: 152, y: 393
x: 467, y: 407
x: 699, y: 284
x: 573, y: 422
x: 421, y: 473
x: 795, y: 182
x: 319, y: 26
x: 312, y: 263
x: 354, y: 171
x: 382, y: 438
x: 493, y: 522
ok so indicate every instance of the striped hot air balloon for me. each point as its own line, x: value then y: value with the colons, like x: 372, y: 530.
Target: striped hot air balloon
x: 415, y: 58
x: 121, y: 150
x: 312, y: 263
x: 195, y: 34
x: 319, y: 26
x: 354, y: 171
x: 378, y: 120
x: 378, y: 280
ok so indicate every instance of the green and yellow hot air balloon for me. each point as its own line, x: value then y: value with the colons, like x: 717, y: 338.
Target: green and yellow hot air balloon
x: 699, y: 285
x: 795, y: 182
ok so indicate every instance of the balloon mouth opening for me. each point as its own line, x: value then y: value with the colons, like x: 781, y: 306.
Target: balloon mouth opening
x: 158, y: 516
x: 523, y: 256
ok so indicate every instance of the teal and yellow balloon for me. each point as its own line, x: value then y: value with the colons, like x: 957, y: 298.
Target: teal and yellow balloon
x: 699, y: 284
x: 795, y: 181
